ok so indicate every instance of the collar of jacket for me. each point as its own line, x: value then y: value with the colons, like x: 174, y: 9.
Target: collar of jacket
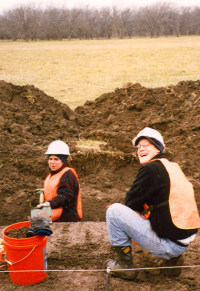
x: 158, y: 156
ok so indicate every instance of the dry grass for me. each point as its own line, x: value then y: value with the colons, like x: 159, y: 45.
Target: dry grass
x: 76, y: 71
x: 95, y: 145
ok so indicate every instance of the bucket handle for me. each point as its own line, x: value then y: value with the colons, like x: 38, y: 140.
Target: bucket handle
x: 22, y: 258
x: 10, y: 263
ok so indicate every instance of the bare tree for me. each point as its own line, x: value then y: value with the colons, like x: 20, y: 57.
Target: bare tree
x: 158, y: 19
x: 105, y: 23
x: 22, y: 23
x: 196, y: 21
x: 51, y: 24
x: 71, y: 21
x: 29, y: 23
x: 127, y: 22
x: 190, y: 21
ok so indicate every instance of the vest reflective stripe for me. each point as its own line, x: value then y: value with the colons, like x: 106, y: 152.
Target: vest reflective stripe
x: 182, y: 204
x: 50, y: 191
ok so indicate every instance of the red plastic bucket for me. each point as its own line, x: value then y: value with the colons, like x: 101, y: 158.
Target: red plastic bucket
x: 25, y: 254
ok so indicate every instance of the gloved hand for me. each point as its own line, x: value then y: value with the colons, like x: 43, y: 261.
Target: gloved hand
x: 43, y: 205
x: 39, y: 226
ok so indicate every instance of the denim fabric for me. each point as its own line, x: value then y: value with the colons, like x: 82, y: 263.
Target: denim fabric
x: 125, y: 225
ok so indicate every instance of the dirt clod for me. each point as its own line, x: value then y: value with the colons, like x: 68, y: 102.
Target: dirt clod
x: 17, y: 232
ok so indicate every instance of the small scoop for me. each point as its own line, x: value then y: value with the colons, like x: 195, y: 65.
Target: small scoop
x: 42, y: 212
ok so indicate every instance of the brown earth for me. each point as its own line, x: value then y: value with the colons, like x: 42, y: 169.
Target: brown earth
x: 30, y: 120
x: 17, y: 232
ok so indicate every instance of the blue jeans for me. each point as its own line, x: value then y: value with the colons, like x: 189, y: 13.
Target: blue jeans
x: 125, y: 225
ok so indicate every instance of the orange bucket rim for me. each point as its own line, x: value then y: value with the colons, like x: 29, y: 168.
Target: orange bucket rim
x: 17, y: 225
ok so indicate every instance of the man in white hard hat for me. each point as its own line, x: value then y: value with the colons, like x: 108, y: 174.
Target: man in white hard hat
x: 160, y: 212
x: 61, y: 186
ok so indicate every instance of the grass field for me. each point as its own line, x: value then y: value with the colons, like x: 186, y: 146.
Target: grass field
x: 79, y: 70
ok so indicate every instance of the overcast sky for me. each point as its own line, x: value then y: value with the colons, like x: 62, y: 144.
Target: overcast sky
x: 9, y: 4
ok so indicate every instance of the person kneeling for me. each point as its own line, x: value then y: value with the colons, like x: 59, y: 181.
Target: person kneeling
x: 160, y: 211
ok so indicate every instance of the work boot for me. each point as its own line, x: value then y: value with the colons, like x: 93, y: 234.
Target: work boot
x: 124, y: 261
x: 173, y: 262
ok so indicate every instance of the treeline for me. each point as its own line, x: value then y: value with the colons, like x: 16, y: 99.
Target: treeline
x: 161, y: 19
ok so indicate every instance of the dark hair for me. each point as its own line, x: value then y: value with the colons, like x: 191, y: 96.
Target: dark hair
x: 63, y: 158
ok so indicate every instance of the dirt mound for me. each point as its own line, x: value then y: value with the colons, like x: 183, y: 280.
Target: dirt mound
x: 117, y: 117
x: 30, y: 120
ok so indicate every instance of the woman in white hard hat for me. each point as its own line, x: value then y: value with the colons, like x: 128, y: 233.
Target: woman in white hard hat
x: 61, y: 186
x: 160, y: 212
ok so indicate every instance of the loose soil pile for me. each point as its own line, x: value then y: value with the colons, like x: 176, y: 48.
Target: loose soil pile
x: 17, y: 232
x: 30, y: 120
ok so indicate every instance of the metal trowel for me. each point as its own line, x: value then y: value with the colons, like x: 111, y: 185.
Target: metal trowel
x: 44, y: 211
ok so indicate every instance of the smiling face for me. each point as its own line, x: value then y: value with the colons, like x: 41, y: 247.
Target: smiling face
x: 54, y: 163
x: 146, y: 151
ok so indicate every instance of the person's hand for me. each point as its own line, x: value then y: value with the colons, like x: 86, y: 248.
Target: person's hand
x: 43, y: 205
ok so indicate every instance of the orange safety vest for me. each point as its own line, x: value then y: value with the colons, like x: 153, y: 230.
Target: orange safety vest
x: 182, y: 204
x: 50, y: 191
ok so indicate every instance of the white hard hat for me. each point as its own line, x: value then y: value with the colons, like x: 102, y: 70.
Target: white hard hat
x: 58, y: 147
x: 150, y: 133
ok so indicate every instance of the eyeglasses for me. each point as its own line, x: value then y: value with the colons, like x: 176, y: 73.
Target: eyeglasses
x: 144, y: 145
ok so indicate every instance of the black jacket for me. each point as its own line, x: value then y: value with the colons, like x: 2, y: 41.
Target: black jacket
x: 152, y: 186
